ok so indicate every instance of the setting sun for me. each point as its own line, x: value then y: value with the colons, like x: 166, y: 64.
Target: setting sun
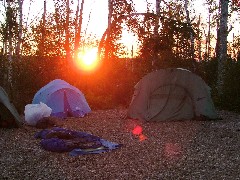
x: 87, y: 59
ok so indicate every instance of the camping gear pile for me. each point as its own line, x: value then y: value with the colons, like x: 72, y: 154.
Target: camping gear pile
x: 36, y: 112
x: 56, y: 99
x: 75, y: 142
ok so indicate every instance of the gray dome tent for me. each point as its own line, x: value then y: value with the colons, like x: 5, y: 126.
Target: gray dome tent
x: 8, y: 112
x: 171, y: 94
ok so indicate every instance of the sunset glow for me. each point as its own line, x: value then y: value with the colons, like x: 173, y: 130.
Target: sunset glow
x: 137, y: 131
x: 87, y: 59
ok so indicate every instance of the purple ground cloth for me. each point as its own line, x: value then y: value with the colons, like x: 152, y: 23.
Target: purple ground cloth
x: 75, y: 142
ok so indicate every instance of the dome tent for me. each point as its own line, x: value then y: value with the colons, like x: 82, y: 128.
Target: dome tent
x: 171, y: 94
x: 9, y: 116
x: 64, y: 99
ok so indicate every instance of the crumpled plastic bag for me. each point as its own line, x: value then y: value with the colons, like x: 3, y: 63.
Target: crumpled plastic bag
x: 35, y: 112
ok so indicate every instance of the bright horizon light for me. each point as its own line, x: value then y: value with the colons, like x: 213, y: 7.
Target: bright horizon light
x: 95, y: 21
x: 87, y: 59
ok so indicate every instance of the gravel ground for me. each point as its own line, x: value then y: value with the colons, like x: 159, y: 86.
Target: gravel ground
x: 172, y: 150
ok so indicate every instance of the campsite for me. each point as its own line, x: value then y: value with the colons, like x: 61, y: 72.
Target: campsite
x: 119, y: 90
x: 113, y: 145
x: 173, y: 150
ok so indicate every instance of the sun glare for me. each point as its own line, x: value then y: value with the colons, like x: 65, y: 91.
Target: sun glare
x: 87, y: 59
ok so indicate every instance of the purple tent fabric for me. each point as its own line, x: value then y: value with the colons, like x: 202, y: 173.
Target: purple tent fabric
x: 75, y: 142
x: 64, y: 99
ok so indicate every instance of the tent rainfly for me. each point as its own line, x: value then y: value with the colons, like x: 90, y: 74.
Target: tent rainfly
x: 171, y: 94
x: 9, y: 116
x: 64, y: 99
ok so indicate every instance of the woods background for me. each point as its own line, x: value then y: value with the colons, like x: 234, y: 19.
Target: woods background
x: 170, y: 35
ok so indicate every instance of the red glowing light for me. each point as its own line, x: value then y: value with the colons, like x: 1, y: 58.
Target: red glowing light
x: 137, y: 130
x: 142, y: 137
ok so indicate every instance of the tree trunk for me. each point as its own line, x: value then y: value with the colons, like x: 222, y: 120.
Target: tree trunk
x: 59, y: 30
x: 191, y: 30
x: 192, y: 50
x: 20, y: 4
x: 43, y: 51
x: 110, y: 11
x: 10, y: 46
x: 217, y: 47
x: 67, y: 41
x: 208, y: 42
x: 155, y: 48
x: 76, y: 30
x: 78, y: 27
x: 223, y: 33
x: 199, y: 44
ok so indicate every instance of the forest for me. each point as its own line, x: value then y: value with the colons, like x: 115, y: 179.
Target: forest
x: 170, y: 35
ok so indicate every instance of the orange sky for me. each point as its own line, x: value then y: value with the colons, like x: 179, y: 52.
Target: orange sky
x: 99, y: 12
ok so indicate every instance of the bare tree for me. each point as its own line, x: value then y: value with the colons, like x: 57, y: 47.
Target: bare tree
x: 208, y: 41
x: 10, y: 25
x: 43, y: 28
x: 9, y: 14
x: 223, y: 33
x: 78, y: 25
x: 110, y: 11
x: 155, y: 55
x: 20, y: 30
x: 67, y: 40
x: 191, y: 29
x: 199, y: 38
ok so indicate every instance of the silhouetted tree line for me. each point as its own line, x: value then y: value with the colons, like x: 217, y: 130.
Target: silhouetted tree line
x: 49, y: 48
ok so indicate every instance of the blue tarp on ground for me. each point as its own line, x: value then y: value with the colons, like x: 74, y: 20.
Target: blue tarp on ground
x: 64, y: 99
x: 75, y: 142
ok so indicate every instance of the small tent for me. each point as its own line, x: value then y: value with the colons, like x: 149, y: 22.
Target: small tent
x: 64, y: 99
x: 171, y: 94
x: 9, y: 117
